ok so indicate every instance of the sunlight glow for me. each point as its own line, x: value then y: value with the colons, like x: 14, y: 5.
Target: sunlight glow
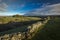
x: 10, y: 13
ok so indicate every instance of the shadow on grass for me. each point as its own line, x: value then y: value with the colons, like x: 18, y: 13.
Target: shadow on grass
x: 12, y: 25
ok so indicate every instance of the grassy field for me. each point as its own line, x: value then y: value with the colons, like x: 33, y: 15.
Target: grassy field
x: 51, y: 31
x: 15, y: 24
x: 6, y: 19
x: 11, y: 24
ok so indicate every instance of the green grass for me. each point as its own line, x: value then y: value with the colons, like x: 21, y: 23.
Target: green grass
x: 13, y: 28
x: 4, y: 20
x: 51, y: 31
x: 18, y: 29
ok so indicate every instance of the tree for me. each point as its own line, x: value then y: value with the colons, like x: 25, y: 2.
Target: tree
x: 17, y: 15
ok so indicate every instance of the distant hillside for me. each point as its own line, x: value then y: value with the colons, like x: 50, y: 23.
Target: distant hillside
x: 16, y: 18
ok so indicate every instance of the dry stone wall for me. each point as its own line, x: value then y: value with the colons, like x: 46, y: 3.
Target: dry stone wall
x: 23, y: 35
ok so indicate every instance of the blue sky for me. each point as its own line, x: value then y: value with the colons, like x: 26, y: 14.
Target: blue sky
x: 11, y: 7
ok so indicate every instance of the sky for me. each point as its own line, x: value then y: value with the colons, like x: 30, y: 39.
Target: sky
x: 29, y: 7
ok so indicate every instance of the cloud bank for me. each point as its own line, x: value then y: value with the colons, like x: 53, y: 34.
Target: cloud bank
x: 3, y: 6
x: 45, y: 10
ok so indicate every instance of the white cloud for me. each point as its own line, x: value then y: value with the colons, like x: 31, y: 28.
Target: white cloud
x: 46, y: 10
x: 3, y: 7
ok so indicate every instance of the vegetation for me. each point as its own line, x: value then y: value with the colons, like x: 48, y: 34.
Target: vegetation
x: 16, y: 23
x: 16, y: 18
x: 51, y: 31
x: 14, y: 26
